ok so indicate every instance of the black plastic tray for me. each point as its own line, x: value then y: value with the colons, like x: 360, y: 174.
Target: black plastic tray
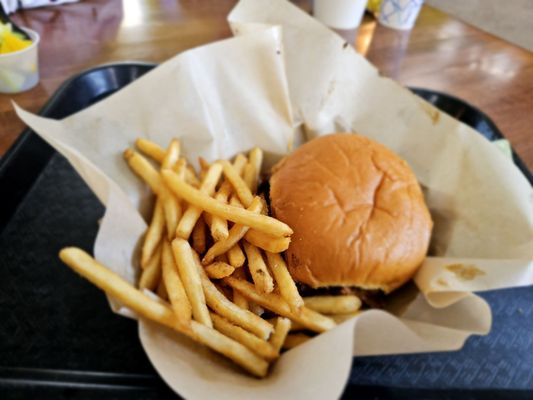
x: 59, y: 340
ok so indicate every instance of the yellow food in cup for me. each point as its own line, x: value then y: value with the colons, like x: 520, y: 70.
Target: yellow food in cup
x: 11, y: 41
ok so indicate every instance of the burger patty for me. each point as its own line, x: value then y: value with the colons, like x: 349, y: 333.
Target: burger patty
x: 370, y: 298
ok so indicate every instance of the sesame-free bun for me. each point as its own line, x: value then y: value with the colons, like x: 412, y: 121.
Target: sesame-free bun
x: 357, y: 211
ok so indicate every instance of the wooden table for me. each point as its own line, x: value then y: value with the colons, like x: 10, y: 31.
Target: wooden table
x: 440, y: 53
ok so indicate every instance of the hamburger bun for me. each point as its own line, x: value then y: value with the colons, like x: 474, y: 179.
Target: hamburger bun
x: 357, y: 211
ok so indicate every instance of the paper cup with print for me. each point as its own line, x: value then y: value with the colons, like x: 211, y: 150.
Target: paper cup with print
x: 399, y: 14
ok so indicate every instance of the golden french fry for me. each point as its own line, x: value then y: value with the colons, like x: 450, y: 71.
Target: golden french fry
x: 240, y: 300
x: 154, y: 234
x: 199, y: 236
x: 151, y: 149
x: 236, y: 257
x: 340, y: 318
x: 190, y: 176
x: 146, y: 171
x: 149, y: 174
x: 232, y: 349
x: 222, y: 306
x: 241, y: 189
x: 295, y: 326
x: 286, y: 285
x: 267, y: 242
x: 183, y: 255
x: 172, y: 211
x: 260, y: 275
x: 219, y: 270
x: 157, y: 153
x: 264, y: 211
x: 282, y: 326
x: 258, y: 346
x: 235, y: 202
x: 295, y: 339
x: 333, y: 304
x: 204, y: 165
x: 310, y: 319
x: 208, y: 219
x: 256, y: 308
x: 180, y: 167
x: 248, y: 176
x: 299, y: 327
x: 172, y: 154
x: 219, y: 226
x: 151, y: 275
x: 193, y: 212
x: 253, y: 168
x: 236, y: 233
x: 175, y: 289
x: 239, y: 162
x: 114, y: 285
x: 162, y: 291
x: 256, y: 160
x: 222, y: 258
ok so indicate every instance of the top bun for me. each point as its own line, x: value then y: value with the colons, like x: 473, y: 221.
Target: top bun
x: 357, y: 211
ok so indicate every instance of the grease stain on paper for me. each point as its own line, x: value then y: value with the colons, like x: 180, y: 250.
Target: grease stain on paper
x: 442, y: 282
x: 465, y: 272
x: 432, y: 112
x: 435, y: 116
x: 331, y: 88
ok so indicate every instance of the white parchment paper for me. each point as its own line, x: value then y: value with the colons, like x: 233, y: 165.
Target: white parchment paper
x: 285, y: 78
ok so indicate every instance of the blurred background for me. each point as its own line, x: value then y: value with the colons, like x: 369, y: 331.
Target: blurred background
x: 512, y: 20
x: 472, y: 49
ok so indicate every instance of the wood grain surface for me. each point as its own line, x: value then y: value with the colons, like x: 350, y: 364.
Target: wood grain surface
x: 440, y: 53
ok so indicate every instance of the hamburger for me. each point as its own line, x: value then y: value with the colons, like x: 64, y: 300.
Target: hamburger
x: 358, y: 214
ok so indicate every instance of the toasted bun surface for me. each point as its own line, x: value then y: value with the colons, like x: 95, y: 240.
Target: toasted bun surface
x: 357, y: 211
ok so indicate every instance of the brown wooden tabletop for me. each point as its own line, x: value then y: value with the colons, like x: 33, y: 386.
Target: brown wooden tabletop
x: 440, y: 53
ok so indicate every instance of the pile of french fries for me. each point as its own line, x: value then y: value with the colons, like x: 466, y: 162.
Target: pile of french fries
x: 212, y: 266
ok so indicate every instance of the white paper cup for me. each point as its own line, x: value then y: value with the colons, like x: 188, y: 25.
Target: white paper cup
x: 399, y: 14
x: 340, y: 14
x: 19, y: 71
